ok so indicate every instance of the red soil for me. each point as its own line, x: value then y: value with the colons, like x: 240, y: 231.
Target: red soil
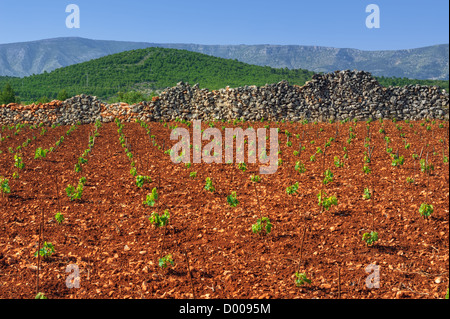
x: 109, y: 237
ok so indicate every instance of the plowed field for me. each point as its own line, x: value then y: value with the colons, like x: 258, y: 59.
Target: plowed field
x: 108, y: 237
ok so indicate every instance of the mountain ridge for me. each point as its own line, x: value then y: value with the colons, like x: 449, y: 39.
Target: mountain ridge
x: 34, y: 57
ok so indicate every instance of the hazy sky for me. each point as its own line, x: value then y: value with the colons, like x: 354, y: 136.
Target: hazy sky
x: 404, y: 24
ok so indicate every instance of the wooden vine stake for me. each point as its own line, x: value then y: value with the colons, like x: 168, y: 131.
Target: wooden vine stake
x: 257, y: 201
x: 301, y: 248
x: 57, y: 193
x: 190, y: 274
x: 321, y: 184
x: 39, y: 260
x: 41, y: 235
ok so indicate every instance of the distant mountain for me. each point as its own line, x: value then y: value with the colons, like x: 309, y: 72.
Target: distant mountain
x: 422, y: 63
x: 35, y: 57
x: 26, y: 58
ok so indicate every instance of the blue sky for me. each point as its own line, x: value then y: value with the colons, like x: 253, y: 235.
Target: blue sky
x: 403, y: 24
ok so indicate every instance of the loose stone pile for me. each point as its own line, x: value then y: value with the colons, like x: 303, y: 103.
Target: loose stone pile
x: 334, y: 96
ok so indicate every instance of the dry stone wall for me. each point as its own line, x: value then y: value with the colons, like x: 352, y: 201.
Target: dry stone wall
x: 334, y: 96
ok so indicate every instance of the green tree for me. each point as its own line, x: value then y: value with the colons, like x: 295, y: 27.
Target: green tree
x: 62, y: 95
x: 8, y: 95
x: 43, y: 100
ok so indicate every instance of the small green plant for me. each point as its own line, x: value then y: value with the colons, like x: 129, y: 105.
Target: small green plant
x: 301, y: 279
x: 141, y: 180
x: 367, y: 194
x: 426, y: 210
x: 337, y: 162
x: 325, y: 201
x: 300, y: 167
x: 18, y: 162
x: 425, y: 167
x: 46, y: 251
x: 4, y: 186
x: 366, y: 169
x: 209, y: 185
x: 159, y: 220
x: 232, y: 199
x: 165, y: 261
x: 193, y: 174
x: 133, y: 171
x: 40, y: 153
x: 242, y: 166
x: 262, y: 223
x: 59, y: 217
x: 151, y: 198
x: 255, y: 178
x: 328, y: 177
x: 82, y: 160
x: 76, y: 193
x: 40, y: 295
x: 346, y: 153
x: 410, y: 180
x: 292, y: 189
x: 370, y: 238
x: 397, y: 160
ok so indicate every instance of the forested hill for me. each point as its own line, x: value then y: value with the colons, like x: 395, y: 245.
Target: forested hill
x: 149, y: 69
x: 153, y: 68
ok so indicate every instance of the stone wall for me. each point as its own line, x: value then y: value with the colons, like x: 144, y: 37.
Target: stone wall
x: 333, y: 96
